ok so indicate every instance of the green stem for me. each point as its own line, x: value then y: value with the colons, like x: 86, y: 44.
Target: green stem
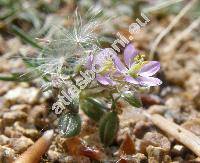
x: 25, y: 37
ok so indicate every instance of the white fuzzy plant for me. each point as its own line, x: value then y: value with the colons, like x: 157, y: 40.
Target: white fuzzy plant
x: 67, y: 49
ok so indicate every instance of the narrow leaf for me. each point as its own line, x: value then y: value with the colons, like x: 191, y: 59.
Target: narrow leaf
x: 93, y: 108
x: 33, y: 63
x: 25, y: 37
x: 132, y: 99
x: 108, y: 128
x: 7, y: 14
x: 17, y: 77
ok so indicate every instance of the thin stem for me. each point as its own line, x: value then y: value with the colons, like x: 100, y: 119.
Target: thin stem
x: 113, y: 106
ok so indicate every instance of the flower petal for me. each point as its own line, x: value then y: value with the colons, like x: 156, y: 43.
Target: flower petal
x: 105, y: 80
x: 129, y: 53
x: 119, y: 65
x: 89, y: 62
x: 103, y: 56
x: 131, y: 80
x: 149, y: 81
x: 149, y: 69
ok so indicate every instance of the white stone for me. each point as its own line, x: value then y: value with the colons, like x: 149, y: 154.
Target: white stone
x: 22, y: 95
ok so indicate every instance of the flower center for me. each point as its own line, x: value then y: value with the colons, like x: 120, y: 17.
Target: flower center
x: 136, y: 67
x: 108, y: 66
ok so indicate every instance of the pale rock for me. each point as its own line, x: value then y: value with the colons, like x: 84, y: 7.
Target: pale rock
x: 53, y: 155
x: 158, y: 140
x: 20, y: 144
x: 5, y: 86
x: 26, y: 129
x: 23, y: 95
x: 20, y: 107
x: 7, y: 154
x: 38, y: 115
x: 10, y: 117
x: 174, y: 102
x: 4, y: 140
x: 157, y: 154
x: 13, y: 45
x: 10, y: 132
x: 11, y: 65
x: 139, y: 157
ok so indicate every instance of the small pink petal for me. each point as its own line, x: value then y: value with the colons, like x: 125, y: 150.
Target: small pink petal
x: 131, y: 80
x: 149, y: 81
x: 89, y: 62
x: 105, y: 80
x: 149, y: 69
x: 103, y: 56
x: 129, y: 54
x: 119, y: 65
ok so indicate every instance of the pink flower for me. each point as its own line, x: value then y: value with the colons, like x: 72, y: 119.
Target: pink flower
x: 104, y: 64
x: 137, y: 71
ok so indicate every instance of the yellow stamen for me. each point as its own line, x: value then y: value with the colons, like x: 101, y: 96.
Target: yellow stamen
x: 108, y: 66
x: 139, y: 62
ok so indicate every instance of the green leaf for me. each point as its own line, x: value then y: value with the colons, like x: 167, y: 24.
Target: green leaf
x: 4, y: 2
x: 132, y: 99
x: 7, y: 14
x: 17, y: 77
x: 108, y: 128
x: 93, y: 108
x: 32, y: 63
x: 69, y: 125
x: 74, y: 106
x: 25, y: 37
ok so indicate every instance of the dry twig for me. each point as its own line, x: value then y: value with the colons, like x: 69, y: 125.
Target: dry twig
x: 34, y: 153
x: 182, y: 135
x: 169, y: 27
x: 183, y: 35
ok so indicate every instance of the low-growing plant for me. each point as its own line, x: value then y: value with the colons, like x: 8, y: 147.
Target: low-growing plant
x: 77, y: 49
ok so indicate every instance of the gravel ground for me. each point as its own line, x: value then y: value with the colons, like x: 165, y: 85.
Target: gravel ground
x: 25, y: 111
